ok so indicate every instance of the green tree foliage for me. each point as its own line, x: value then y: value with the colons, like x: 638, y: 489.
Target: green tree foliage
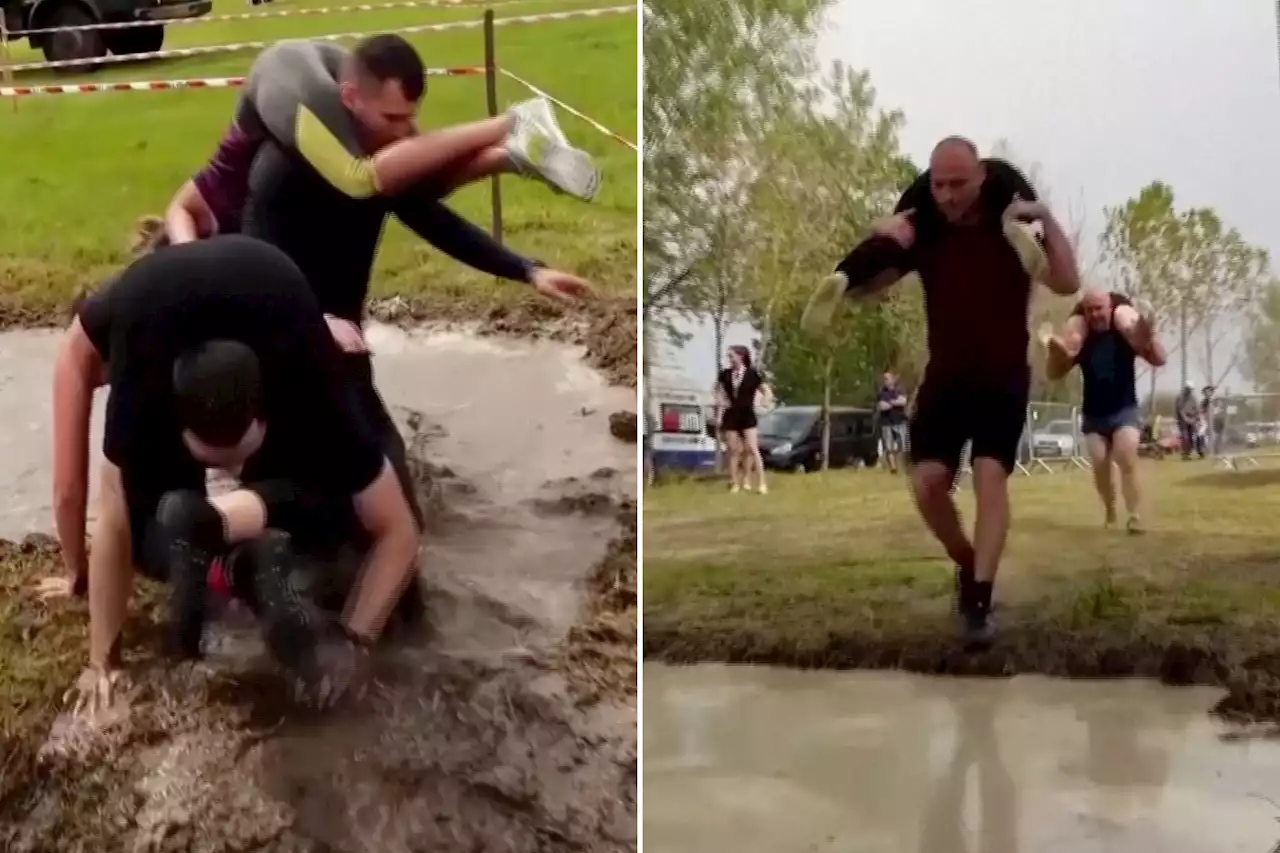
x: 1194, y: 276
x: 1262, y: 342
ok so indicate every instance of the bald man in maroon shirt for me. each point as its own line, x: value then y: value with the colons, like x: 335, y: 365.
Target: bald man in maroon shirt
x: 977, y: 298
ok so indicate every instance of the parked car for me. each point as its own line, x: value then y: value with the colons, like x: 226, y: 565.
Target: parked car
x: 791, y: 438
x: 1056, y: 439
x: 24, y: 15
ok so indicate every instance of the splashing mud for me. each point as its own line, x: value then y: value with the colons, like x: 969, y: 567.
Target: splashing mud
x: 511, y: 728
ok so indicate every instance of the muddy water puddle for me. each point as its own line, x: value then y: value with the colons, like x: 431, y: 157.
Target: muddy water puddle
x: 470, y: 740
x: 756, y: 759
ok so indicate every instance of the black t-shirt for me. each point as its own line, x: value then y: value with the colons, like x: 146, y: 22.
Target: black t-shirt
x: 896, y: 414
x: 742, y: 398
x: 1106, y: 362
x: 242, y: 289
x: 976, y: 299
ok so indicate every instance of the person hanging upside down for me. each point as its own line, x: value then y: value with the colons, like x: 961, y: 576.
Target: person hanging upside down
x: 218, y: 356
x: 977, y: 255
x: 1103, y: 336
x: 351, y: 116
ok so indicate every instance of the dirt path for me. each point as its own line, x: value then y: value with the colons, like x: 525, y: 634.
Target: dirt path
x: 513, y: 727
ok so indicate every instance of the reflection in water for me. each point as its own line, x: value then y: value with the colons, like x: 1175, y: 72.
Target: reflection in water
x: 754, y: 759
x: 976, y: 747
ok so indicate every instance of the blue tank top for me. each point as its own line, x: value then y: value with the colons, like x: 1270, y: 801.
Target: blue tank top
x: 1107, y: 364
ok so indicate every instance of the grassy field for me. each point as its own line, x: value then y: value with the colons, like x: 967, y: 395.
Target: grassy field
x: 78, y: 170
x: 836, y: 570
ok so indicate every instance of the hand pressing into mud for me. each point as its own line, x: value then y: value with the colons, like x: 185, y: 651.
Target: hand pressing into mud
x: 342, y: 672
x: 62, y: 586
x: 560, y: 286
x: 97, y: 690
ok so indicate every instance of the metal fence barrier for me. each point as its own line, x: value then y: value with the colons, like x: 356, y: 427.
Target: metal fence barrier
x: 1052, y: 439
x: 1242, y: 430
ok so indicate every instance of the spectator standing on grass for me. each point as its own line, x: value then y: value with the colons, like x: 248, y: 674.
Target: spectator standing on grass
x: 1188, y: 415
x: 891, y: 408
x: 1212, y: 418
x: 738, y: 390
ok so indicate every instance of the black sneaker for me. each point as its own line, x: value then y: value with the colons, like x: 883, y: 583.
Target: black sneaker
x: 189, y: 582
x: 978, y: 628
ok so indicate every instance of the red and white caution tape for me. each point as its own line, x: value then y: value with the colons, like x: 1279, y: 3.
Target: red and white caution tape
x: 278, y: 13
x: 259, y: 45
x: 162, y: 85
x: 562, y: 105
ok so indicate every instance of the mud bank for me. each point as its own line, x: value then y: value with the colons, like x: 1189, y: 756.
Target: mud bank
x: 1236, y: 660
x: 511, y: 728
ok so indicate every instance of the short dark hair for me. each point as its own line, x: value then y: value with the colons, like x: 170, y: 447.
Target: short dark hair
x: 390, y: 57
x: 217, y: 387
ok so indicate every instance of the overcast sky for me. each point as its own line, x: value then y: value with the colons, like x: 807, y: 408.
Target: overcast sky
x: 1105, y: 95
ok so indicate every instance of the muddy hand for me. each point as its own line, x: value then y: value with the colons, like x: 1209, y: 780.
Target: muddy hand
x: 341, y: 673
x: 95, y: 691
x: 561, y: 286
x: 61, y: 586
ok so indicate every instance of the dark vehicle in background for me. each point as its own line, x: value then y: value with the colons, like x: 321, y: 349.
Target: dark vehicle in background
x: 791, y: 438
x: 23, y: 15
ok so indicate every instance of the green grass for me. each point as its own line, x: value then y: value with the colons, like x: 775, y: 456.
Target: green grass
x: 837, y: 570
x: 78, y: 170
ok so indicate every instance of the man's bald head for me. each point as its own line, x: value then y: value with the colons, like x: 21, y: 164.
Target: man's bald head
x: 956, y: 174
x: 1096, y: 307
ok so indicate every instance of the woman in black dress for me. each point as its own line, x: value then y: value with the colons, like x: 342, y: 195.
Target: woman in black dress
x: 736, y: 389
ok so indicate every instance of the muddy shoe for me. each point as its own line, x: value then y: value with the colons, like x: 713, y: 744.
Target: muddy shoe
x: 823, y: 303
x: 540, y: 150
x: 1134, y: 527
x: 978, y: 629
x: 290, y: 623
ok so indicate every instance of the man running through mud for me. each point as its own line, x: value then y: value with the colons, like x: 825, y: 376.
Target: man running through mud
x: 351, y: 117
x: 972, y: 255
x: 218, y: 356
x: 1104, y: 336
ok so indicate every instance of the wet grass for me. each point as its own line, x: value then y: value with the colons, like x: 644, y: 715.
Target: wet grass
x: 835, y: 570
x: 80, y: 169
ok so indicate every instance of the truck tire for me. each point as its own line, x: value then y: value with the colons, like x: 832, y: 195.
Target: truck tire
x: 135, y: 40
x: 83, y: 44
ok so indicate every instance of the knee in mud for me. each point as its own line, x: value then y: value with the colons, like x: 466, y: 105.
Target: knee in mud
x: 187, y: 516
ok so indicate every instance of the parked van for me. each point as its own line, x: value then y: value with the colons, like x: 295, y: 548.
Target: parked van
x: 791, y: 438
x: 676, y: 430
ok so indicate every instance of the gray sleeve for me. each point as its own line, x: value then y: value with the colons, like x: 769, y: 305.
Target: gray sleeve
x: 293, y: 96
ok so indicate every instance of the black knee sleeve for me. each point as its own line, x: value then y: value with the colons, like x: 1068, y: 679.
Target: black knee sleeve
x: 188, y: 516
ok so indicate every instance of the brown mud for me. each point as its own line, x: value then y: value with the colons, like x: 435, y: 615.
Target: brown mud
x: 512, y: 727
x: 1216, y: 656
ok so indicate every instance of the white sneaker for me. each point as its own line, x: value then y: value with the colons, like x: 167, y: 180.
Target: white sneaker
x: 733, y: 490
x: 764, y: 490
x: 541, y: 150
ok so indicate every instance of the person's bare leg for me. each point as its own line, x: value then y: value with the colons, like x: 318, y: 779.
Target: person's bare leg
x: 1124, y: 450
x: 751, y: 451
x: 244, y: 514
x: 733, y: 445
x: 991, y: 528
x: 1100, y: 459
x: 931, y: 487
x: 475, y: 166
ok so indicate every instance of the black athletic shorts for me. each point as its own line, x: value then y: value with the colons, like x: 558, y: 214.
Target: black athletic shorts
x: 950, y: 413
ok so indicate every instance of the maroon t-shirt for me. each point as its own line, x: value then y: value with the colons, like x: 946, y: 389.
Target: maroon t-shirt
x: 224, y: 182
x: 977, y: 296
